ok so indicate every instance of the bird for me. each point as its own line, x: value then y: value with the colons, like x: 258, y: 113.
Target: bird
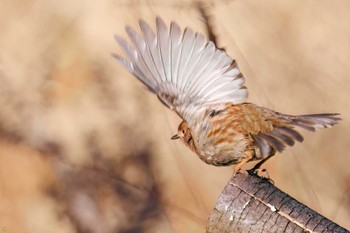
x: 205, y: 87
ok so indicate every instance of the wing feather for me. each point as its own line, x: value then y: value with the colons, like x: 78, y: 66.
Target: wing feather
x: 130, y: 64
x: 148, y: 68
x: 164, y: 47
x: 199, y: 46
x: 186, y: 55
x: 198, y: 73
x: 151, y: 43
x: 182, y: 68
x: 211, y: 70
x: 212, y: 77
x: 176, y: 38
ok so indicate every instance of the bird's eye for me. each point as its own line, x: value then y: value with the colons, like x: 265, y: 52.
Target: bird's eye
x: 183, y: 131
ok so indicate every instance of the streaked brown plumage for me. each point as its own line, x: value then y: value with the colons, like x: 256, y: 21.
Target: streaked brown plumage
x: 246, y: 132
x: 205, y: 87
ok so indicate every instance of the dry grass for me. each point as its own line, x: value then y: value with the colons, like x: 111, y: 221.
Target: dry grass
x: 85, y: 148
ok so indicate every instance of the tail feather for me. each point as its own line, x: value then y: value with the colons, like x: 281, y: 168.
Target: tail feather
x: 281, y: 136
x: 290, y: 133
x: 278, y: 134
x: 312, y: 122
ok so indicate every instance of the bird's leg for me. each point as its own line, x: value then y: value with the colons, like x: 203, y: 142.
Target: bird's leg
x: 238, y: 167
x: 256, y: 168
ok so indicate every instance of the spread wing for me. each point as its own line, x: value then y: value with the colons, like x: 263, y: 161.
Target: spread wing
x: 182, y: 68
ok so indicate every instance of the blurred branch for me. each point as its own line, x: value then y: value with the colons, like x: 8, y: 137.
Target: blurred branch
x: 204, y: 10
x: 252, y: 204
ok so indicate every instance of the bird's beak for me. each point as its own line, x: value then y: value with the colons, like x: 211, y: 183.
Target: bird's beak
x: 176, y: 136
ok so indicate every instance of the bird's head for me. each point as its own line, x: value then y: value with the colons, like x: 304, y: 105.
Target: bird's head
x: 184, y: 134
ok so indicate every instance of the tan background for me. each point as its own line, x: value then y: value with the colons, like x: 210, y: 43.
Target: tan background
x: 85, y: 148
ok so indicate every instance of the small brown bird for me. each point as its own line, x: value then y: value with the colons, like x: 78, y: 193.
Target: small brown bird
x: 204, y: 86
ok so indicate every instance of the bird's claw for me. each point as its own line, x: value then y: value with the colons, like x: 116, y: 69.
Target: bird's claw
x: 265, y: 176
x: 241, y: 171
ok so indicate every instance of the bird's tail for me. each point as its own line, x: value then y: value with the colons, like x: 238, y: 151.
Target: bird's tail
x: 286, y: 134
x: 312, y: 122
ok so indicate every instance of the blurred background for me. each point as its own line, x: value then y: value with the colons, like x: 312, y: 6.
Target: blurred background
x: 84, y: 147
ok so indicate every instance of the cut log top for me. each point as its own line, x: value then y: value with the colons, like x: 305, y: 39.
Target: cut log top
x: 252, y: 204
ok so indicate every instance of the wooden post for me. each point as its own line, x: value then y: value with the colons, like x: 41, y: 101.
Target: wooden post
x: 252, y: 204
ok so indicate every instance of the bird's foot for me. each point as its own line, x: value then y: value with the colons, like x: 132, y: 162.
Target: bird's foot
x: 265, y: 174
x: 241, y: 171
x: 238, y: 167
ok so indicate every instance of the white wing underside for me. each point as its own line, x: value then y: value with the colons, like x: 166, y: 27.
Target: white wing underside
x: 184, y: 70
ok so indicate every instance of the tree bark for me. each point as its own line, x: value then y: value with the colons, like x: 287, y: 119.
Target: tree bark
x: 253, y: 204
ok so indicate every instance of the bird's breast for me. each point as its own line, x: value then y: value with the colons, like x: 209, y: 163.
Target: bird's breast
x: 219, y: 138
